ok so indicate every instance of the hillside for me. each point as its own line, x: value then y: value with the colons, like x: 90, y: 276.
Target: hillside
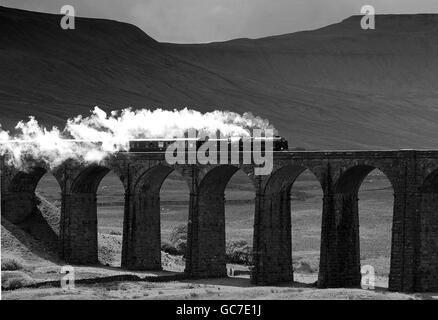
x: 336, y: 87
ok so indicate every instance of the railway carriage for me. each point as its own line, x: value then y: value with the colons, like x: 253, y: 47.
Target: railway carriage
x: 279, y: 144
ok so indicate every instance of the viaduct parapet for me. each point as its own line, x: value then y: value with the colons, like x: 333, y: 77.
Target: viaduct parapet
x: 413, y: 175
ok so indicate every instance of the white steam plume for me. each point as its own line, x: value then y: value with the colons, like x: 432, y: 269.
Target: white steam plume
x: 91, y: 139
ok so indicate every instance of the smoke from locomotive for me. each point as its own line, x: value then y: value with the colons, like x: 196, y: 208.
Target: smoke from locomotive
x: 91, y: 139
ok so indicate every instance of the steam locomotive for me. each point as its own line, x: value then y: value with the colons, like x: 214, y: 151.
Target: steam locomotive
x: 279, y: 144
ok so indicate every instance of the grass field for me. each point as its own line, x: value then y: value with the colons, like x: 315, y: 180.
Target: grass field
x: 375, y: 207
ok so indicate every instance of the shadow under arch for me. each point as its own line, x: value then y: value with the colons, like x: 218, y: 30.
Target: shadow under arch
x: 44, y: 223
x: 206, y: 249
x: 427, y: 271
x: 27, y: 181
x: 35, y: 215
x: 346, y: 222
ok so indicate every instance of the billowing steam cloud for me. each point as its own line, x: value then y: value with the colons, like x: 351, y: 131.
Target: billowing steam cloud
x: 91, y: 139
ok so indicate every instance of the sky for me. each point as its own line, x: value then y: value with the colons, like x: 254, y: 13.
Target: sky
x: 194, y: 21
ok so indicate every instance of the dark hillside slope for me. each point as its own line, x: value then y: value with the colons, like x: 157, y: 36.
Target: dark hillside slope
x: 336, y: 87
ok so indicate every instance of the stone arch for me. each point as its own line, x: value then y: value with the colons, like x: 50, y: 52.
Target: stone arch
x: 89, y: 178
x: 216, y: 178
x: 282, y: 179
x: 273, y: 251
x: 79, y: 233
x: 26, y: 181
x: 142, y: 225
x: 19, y: 199
x: 206, y: 236
x: 346, y: 216
x: 350, y: 178
x: 152, y: 178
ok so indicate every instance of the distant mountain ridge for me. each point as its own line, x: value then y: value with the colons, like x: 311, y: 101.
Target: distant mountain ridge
x: 338, y: 87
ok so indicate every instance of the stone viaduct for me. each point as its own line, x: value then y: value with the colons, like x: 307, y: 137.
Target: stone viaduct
x: 413, y: 175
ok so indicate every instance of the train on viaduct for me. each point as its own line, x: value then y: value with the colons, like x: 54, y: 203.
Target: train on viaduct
x: 413, y: 175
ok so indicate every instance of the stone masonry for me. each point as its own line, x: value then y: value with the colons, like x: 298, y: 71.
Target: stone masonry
x: 413, y: 175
